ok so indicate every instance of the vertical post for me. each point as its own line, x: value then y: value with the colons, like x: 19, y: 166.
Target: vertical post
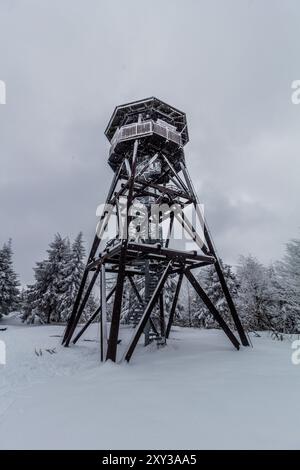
x: 103, y: 324
x: 170, y: 229
x: 147, y: 297
x: 162, y: 316
x: 116, y: 314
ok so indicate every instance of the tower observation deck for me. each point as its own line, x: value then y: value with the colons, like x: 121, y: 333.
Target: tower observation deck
x: 159, y: 127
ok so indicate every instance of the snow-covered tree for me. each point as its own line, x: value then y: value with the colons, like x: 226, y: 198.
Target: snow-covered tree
x: 57, y: 279
x: 77, y: 264
x: 58, y: 267
x: 30, y: 314
x: 254, y: 294
x: 71, y: 276
x: 50, y: 274
x: 287, y: 289
x: 185, y: 312
x: 90, y: 308
x: 9, y: 292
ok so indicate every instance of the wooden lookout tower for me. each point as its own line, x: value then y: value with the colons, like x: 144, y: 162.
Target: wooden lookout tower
x: 147, y: 140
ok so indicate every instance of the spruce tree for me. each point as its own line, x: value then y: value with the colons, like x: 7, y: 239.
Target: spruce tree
x: 9, y: 292
x: 71, y: 273
x: 253, y: 298
x: 57, y: 280
x: 45, y: 296
x: 58, y: 269
x: 288, y: 288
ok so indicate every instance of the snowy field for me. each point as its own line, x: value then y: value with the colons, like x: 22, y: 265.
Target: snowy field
x: 195, y: 393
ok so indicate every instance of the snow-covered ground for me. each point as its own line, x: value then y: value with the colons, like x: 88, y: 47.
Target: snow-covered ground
x: 195, y: 393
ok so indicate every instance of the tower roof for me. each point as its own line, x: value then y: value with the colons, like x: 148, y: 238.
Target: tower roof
x: 153, y: 107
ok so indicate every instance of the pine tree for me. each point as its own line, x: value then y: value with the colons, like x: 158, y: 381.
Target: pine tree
x: 30, y: 314
x: 77, y: 264
x: 39, y: 294
x: 90, y: 308
x: 253, y: 298
x: 275, y: 304
x: 57, y: 280
x: 71, y: 275
x: 72, y: 279
x: 288, y: 288
x: 58, y: 269
x: 45, y: 296
x: 186, y: 313
x: 9, y: 292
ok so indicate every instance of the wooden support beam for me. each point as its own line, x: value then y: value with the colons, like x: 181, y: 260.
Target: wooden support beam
x: 162, y: 316
x: 135, y: 290
x: 173, y: 194
x: 103, y: 324
x: 81, y: 307
x: 92, y: 317
x: 175, y: 173
x: 188, y: 227
x: 87, y: 324
x: 137, y: 294
x: 76, y: 305
x: 170, y: 230
x: 204, y: 297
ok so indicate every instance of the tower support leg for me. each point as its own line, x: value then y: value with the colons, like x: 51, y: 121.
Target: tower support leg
x: 227, y: 295
x: 103, y: 324
x: 116, y: 314
x: 211, y: 308
x: 162, y: 316
x: 81, y: 308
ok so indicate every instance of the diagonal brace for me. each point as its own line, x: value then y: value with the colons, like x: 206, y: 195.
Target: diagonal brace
x: 211, y: 308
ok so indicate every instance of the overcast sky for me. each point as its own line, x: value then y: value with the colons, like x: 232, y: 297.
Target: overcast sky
x: 228, y: 64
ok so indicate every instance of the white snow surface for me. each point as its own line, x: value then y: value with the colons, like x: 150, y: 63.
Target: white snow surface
x: 195, y: 393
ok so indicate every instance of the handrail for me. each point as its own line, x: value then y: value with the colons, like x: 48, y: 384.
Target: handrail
x: 130, y: 131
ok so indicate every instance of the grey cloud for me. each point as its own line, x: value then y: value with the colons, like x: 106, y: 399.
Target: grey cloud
x: 228, y: 65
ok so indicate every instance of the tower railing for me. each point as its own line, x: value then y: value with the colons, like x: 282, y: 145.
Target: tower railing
x: 132, y: 131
